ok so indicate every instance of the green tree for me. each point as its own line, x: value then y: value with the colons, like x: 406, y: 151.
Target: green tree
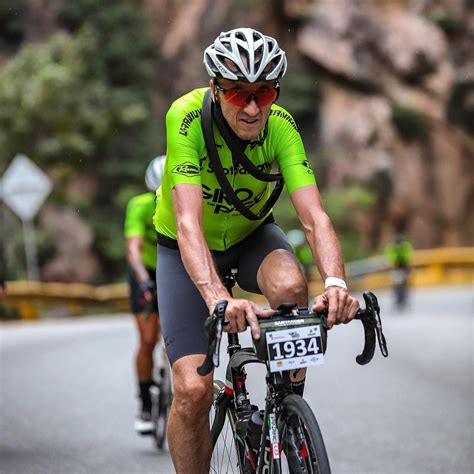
x: 80, y: 103
x: 55, y: 111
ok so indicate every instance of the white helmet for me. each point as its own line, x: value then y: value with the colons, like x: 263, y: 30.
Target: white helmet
x: 154, y: 172
x: 252, y: 55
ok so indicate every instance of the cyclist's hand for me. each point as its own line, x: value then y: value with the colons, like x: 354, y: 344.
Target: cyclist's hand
x: 242, y: 313
x: 342, y: 307
x: 147, y: 290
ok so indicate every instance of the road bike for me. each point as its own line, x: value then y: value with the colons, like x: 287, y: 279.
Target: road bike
x: 161, y: 397
x: 284, y: 436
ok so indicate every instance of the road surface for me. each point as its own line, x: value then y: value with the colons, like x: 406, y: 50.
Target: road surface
x: 68, y: 394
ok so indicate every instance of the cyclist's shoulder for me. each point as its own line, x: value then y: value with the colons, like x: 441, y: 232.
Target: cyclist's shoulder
x: 143, y: 199
x: 188, y: 102
x: 280, y: 117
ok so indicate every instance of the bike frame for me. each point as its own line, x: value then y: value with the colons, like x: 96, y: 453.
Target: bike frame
x: 269, y: 459
x: 278, y: 383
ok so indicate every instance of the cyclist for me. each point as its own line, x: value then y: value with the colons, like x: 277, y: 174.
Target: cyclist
x: 140, y: 237
x: 214, y: 216
x: 399, y: 253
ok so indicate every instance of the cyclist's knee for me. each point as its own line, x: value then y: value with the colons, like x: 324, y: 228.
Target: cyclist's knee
x: 280, y: 271
x: 287, y: 284
x: 193, y: 392
x: 148, y: 343
x: 148, y: 335
x: 291, y: 290
x: 192, y: 396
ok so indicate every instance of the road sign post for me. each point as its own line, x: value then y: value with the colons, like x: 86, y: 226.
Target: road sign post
x: 24, y: 189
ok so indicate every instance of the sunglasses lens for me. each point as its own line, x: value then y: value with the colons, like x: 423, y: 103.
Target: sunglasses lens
x: 266, y: 96
x: 241, y: 98
x: 237, y: 97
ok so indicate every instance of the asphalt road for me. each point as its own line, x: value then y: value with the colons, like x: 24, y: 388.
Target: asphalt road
x: 68, y: 396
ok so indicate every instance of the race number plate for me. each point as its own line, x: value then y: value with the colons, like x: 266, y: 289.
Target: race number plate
x: 294, y: 348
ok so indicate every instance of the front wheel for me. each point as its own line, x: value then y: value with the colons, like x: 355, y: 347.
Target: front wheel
x: 302, y: 444
x: 222, y: 419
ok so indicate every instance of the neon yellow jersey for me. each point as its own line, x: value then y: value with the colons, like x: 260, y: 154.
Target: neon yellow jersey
x: 399, y: 254
x: 139, y: 223
x: 187, y: 162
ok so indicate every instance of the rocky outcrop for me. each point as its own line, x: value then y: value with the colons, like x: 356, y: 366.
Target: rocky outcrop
x: 389, y: 81
x: 74, y: 258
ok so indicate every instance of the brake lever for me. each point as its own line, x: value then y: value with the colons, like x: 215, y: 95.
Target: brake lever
x: 379, y: 331
x: 213, y: 327
x: 219, y: 315
x: 372, y: 307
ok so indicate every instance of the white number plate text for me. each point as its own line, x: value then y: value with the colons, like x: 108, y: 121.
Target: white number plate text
x: 294, y: 348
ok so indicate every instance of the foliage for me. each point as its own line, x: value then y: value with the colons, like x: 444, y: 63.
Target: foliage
x: 54, y: 111
x: 12, y: 22
x: 449, y: 24
x: 459, y: 109
x: 79, y: 104
x: 299, y: 94
x: 341, y: 205
x: 410, y: 123
x: 125, y: 55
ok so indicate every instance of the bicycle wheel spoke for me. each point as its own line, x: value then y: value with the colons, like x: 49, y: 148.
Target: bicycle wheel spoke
x: 224, y: 455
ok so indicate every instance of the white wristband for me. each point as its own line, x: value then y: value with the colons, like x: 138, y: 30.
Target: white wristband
x: 334, y: 281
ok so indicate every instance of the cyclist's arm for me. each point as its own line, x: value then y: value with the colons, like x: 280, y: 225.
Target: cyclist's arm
x: 134, y: 257
x: 319, y: 232
x: 195, y: 253
x: 326, y: 252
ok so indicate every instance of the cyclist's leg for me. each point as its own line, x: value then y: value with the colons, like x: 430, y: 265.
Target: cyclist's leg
x: 182, y: 316
x: 268, y: 265
x: 148, y: 334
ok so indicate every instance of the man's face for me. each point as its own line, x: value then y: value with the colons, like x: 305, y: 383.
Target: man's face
x: 248, y: 119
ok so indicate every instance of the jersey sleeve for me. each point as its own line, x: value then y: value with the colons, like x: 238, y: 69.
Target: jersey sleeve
x: 134, y: 223
x: 290, y: 152
x: 184, y: 142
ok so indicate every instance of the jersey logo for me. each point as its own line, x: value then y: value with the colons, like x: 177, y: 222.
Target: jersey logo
x: 216, y: 198
x: 188, y: 120
x: 309, y: 170
x: 186, y: 169
x: 285, y: 116
x: 238, y: 169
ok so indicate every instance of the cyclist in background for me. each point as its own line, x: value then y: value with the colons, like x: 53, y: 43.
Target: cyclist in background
x: 399, y: 253
x: 140, y: 237
x: 214, y: 214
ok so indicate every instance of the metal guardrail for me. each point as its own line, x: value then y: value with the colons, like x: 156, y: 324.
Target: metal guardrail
x: 440, y: 266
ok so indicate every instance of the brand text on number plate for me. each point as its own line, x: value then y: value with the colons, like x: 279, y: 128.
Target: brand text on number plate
x: 294, y: 348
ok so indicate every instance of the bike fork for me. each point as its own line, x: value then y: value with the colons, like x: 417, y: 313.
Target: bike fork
x: 270, y: 452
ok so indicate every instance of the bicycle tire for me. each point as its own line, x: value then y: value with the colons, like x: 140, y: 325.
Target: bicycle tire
x: 225, y: 458
x: 161, y: 408
x: 301, y: 440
